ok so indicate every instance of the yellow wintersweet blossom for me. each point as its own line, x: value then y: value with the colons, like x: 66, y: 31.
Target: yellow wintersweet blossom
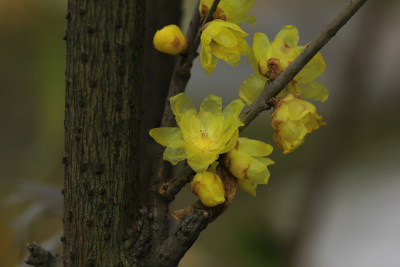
x: 170, y: 40
x: 199, y: 137
x: 223, y: 40
x: 209, y: 188
x: 234, y: 11
x: 269, y: 60
x: 248, y: 163
x: 291, y: 120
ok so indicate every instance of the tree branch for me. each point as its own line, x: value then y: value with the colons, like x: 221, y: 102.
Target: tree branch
x: 273, y: 88
x: 40, y: 257
x: 158, y: 206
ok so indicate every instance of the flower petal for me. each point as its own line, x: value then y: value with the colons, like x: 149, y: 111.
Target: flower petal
x: 313, y: 90
x: 261, y: 45
x: 175, y: 154
x: 207, y: 60
x: 248, y: 186
x: 180, y: 105
x: 212, y: 104
x: 312, y: 70
x: 289, y: 34
x: 199, y: 161
x: 254, y: 147
x: 252, y: 87
x: 233, y: 109
x: 166, y: 135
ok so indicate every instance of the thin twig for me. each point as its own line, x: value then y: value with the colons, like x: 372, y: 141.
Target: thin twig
x: 273, y: 88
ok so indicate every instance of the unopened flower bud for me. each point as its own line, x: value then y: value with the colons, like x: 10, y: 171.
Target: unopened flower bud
x: 170, y: 40
x: 209, y: 188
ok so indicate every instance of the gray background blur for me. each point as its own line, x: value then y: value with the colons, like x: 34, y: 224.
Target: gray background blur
x: 334, y: 202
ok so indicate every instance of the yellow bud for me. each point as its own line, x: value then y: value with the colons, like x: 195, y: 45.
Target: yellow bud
x: 209, y: 188
x: 292, y: 119
x: 170, y: 40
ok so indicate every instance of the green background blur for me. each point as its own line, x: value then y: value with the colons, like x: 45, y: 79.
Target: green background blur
x: 333, y: 202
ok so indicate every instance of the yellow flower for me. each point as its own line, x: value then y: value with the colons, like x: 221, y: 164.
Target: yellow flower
x: 248, y: 163
x: 234, y: 11
x: 269, y: 60
x: 170, y: 40
x: 209, y: 188
x: 202, y: 136
x: 223, y: 40
x: 291, y: 120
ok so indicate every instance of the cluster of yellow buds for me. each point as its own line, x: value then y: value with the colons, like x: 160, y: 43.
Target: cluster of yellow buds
x: 211, y: 136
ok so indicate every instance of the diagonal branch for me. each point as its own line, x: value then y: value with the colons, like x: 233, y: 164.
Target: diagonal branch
x: 273, y: 88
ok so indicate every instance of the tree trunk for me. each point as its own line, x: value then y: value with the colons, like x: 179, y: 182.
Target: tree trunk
x: 102, y: 117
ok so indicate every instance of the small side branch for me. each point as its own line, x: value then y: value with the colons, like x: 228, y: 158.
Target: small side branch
x: 273, y: 88
x: 40, y: 257
x: 187, y: 232
x: 170, y: 189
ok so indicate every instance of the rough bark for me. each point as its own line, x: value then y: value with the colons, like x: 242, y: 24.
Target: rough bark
x: 102, y: 118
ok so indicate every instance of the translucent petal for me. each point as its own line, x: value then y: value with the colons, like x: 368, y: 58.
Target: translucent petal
x: 312, y: 122
x: 313, y: 90
x: 166, y: 135
x: 244, y: 47
x: 231, y: 142
x: 235, y: 9
x: 200, y: 160
x: 208, y: 61
x: 226, y: 38
x: 258, y: 172
x: 252, y: 87
x: 212, y: 104
x: 248, y: 186
x: 292, y: 135
x: 289, y: 34
x: 261, y: 45
x: 229, y: 25
x: 285, y: 54
x: 265, y: 161
x: 233, y: 109
x: 175, y: 154
x: 180, y: 104
x: 252, y: 61
x: 244, y: 19
x: 234, y: 61
x: 312, y: 70
x: 254, y: 147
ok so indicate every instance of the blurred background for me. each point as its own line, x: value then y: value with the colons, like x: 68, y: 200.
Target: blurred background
x: 334, y: 202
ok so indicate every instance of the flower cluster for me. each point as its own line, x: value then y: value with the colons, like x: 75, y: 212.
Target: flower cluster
x: 269, y: 60
x: 211, y: 136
